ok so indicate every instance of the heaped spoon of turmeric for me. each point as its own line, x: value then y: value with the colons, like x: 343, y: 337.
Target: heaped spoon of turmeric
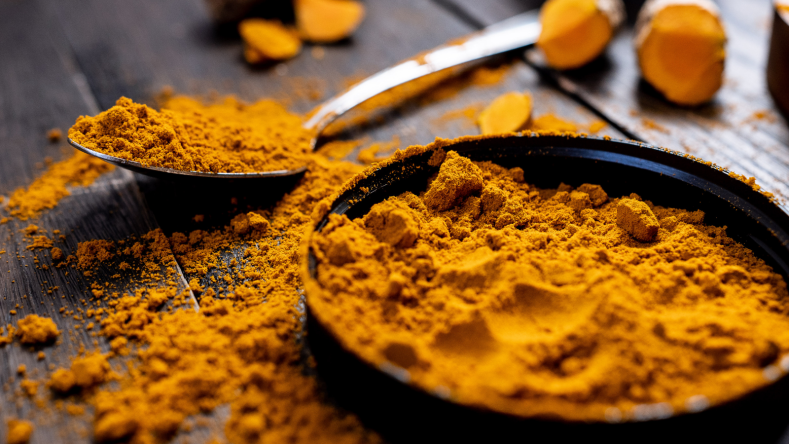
x: 516, y: 32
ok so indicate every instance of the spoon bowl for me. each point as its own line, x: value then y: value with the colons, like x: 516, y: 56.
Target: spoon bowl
x: 170, y: 173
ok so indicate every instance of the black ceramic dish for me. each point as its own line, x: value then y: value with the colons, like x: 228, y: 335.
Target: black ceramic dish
x: 402, y: 413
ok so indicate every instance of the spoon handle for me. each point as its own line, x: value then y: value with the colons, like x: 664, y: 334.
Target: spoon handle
x: 515, y: 32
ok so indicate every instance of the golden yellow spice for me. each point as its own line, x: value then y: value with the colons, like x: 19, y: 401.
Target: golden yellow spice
x: 34, y: 329
x: 45, y: 192
x: 239, y: 348
x: 527, y: 300
x: 19, y: 431
x: 188, y: 135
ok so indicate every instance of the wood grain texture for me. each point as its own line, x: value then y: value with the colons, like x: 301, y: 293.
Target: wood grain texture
x: 740, y: 129
x: 41, y: 87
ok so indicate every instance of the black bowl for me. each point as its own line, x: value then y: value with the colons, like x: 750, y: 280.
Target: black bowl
x: 401, y: 412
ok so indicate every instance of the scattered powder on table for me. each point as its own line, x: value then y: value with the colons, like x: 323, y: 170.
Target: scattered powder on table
x: 467, y: 115
x: 86, y: 372
x: 54, y: 135
x: 527, y: 300
x: 239, y: 349
x: 29, y: 388
x: 550, y: 123
x: 45, y: 192
x: 338, y: 149
x: 596, y: 126
x: 224, y: 137
x: 7, y: 338
x: 40, y: 242
x: 34, y: 329
x: 371, y: 153
x: 19, y: 431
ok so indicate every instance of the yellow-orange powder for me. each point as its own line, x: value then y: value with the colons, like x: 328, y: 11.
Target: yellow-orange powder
x: 562, y: 302
x: 45, y: 192
x: 188, y: 135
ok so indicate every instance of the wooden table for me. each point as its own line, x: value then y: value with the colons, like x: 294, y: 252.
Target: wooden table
x: 63, y: 58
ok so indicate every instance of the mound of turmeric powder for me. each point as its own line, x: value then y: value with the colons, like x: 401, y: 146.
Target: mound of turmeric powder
x: 19, y: 431
x: 563, y: 302
x: 188, y: 135
x: 34, y: 329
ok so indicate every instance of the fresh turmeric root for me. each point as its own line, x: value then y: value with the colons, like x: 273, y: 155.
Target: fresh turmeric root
x: 508, y: 113
x: 326, y: 21
x: 681, y: 49
x: 575, y: 32
x: 266, y: 40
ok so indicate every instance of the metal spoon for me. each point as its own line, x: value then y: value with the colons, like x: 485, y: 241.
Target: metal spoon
x: 516, y: 32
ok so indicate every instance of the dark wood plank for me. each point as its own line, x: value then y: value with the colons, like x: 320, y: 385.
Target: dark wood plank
x: 41, y: 87
x: 725, y: 131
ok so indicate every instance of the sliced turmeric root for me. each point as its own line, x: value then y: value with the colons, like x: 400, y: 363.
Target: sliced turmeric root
x: 266, y: 40
x: 508, y: 113
x: 681, y: 49
x: 575, y: 32
x: 326, y: 21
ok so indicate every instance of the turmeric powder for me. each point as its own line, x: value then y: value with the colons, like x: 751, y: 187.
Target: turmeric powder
x: 187, y: 135
x: 45, y: 192
x: 681, y: 49
x: 19, y: 431
x: 54, y: 135
x: 34, y: 329
x: 550, y: 123
x: 575, y: 32
x: 239, y: 349
x: 85, y: 372
x: 563, y: 302
x: 8, y: 338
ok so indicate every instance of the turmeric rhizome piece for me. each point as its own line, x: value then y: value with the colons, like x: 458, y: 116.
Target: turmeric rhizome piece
x: 267, y: 40
x: 326, y: 21
x: 681, y: 49
x: 509, y: 112
x: 575, y: 32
